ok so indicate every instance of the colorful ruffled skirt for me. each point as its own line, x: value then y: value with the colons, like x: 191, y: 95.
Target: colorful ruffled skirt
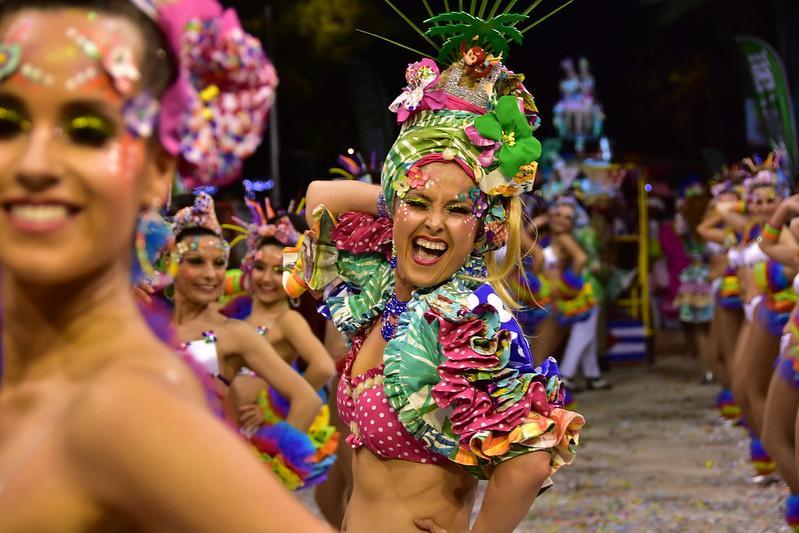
x: 779, y: 299
x: 534, y: 294
x: 575, y: 298
x: 298, y: 459
x: 729, y: 295
x: 694, y: 298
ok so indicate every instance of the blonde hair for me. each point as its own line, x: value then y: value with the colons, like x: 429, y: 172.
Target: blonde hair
x: 498, y: 272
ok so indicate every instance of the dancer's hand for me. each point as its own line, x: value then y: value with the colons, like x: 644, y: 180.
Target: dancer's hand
x: 429, y: 525
x: 250, y: 417
x: 143, y: 292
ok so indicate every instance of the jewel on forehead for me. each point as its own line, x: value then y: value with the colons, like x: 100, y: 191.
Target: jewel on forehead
x: 86, y: 45
x: 35, y: 74
x: 84, y: 76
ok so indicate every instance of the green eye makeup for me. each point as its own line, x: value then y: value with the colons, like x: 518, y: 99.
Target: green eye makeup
x: 12, y: 122
x: 90, y: 130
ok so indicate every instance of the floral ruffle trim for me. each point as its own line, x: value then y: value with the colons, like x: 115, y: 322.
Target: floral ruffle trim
x: 364, y: 244
x: 460, y: 377
x: 360, y: 233
x: 298, y: 459
x: 730, y: 291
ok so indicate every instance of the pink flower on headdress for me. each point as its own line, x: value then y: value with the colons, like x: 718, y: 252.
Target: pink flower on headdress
x: 417, y: 178
x: 422, y: 91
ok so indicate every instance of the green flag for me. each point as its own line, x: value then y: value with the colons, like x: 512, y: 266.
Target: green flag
x: 771, y: 94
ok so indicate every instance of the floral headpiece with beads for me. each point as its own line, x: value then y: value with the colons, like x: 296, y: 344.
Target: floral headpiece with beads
x: 201, y: 215
x: 263, y: 224
x: 214, y: 114
x: 764, y: 173
x: 475, y: 112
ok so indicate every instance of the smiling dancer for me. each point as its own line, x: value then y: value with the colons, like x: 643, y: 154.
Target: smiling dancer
x: 285, y: 330
x: 102, y: 427
x: 768, y: 299
x: 225, y: 347
x: 430, y: 337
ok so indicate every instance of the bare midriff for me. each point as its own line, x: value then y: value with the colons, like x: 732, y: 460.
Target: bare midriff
x: 389, y: 494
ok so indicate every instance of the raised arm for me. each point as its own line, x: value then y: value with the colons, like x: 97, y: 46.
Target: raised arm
x: 139, y: 445
x: 731, y: 214
x: 341, y: 196
x: 578, y: 256
x: 261, y: 358
x: 782, y: 249
x: 310, y: 349
x: 709, y: 228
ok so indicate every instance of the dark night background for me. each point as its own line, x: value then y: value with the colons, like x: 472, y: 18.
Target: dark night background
x: 668, y: 75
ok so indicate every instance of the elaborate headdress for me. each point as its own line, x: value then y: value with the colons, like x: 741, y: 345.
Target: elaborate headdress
x: 263, y: 224
x: 213, y: 116
x: 728, y: 179
x: 764, y: 173
x: 200, y: 215
x: 476, y: 113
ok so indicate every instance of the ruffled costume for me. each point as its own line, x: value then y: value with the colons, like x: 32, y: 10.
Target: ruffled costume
x: 458, y: 373
x: 534, y: 295
x: 323, y: 435
x: 457, y: 382
x: 729, y: 294
x: 575, y: 298
x: 779, y: 296
x: 290, y: 453
x: 787, y: 364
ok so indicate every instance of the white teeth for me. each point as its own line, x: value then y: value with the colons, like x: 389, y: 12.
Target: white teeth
x: 41, y: 214
x: 430, y: 245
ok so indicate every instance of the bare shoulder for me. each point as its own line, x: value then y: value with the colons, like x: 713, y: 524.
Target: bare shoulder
x: 292, y: 320
x: 135, y: 387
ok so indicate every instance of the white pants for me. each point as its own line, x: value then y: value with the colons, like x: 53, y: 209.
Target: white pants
x: 582, y: 349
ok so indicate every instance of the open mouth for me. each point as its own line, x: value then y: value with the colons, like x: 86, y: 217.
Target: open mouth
x: 428, y: 251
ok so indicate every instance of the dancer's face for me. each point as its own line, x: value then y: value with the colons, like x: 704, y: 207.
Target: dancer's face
x: 201, y: 274
x: 434, y: 228
x: 763, y: 202
x: 72, y: 179
x: 266, y: 277
x: 562, y: 219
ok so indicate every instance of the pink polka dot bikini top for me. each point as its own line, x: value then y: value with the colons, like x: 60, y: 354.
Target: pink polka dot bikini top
x: 373, y: 423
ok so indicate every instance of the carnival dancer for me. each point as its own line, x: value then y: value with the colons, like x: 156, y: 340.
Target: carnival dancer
x: 225, y: 347
x: 102, y: 426
x: 782, y: 402
x: 721, y: 241
x: 430, y: 336
x: 581, y: 310
x: 287, y: 331
x: 694, y: 295
x: 768, y: 299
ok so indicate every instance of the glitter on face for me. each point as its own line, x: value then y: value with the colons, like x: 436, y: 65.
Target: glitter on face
x: 35, y: 74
